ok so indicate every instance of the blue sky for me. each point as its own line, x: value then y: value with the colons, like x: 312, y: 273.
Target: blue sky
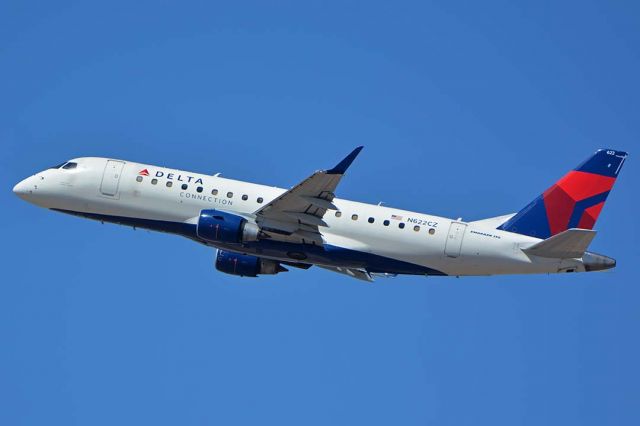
x: 465, y: 109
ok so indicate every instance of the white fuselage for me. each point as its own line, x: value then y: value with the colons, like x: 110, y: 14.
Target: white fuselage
x: 115, y: 191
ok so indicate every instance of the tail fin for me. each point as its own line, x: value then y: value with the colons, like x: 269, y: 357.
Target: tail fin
x: 575, y: 201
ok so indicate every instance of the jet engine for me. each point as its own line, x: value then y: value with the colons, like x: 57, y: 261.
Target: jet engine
x: 246, y: 265
x: 222, y: 227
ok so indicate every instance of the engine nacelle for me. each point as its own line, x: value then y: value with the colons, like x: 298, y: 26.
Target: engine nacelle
x: 222, y: 227
x: 246, y: 265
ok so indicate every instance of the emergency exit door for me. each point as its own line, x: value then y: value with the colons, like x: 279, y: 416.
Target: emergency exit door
x: 454, y: 239
x: 111, y: 178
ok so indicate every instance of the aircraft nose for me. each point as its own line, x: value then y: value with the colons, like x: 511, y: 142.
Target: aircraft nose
x: 21, y: 188
x: 24, y: 189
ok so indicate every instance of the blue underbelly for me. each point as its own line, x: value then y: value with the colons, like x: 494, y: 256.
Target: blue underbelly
x: 326, y: 254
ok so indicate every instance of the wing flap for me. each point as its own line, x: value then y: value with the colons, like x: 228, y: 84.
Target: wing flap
x: 320, y: 202
x: 568, y: 244
x: 306, y: 218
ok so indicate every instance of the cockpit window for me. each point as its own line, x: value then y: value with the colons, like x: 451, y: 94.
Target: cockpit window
x: 67, y: 165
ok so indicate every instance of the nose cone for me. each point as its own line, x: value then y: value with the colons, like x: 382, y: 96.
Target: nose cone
x: 23, y: 189
x: 597, y: 262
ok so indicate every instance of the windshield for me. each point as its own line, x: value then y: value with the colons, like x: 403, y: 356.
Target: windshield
x: 67, y: 165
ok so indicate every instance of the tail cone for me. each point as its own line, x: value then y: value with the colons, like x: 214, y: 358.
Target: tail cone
x: 597, y: 262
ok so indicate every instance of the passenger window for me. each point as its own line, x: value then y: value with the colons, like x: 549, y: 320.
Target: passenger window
x: 229, y: 194
x: 432, y: 231
x: 260, y: 200
x: 70, y: 166
x: 338, y: 213
x: 214, y: 192
x: 185, y: 186
x: 169, y: 184
x: 371, y: 220
x: 401, y: 225
x: 354, y: 217
x: 385, y: 223
x: 154, y: 181
x: 245, y: 197
x: 139, y: 178
x: 416, y: 228
x: 199, y: 189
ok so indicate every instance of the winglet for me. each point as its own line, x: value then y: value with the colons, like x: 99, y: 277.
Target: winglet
x: 344, y: 164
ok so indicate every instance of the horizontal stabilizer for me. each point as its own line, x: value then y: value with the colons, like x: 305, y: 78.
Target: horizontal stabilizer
x: 568, y: 244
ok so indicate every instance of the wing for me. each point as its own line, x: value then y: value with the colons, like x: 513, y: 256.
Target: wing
x: 298, y: 212
x: 359, y: 274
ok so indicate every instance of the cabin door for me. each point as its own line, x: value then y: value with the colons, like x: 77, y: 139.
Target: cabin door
x: 111, y: 178
x: 454, y: 239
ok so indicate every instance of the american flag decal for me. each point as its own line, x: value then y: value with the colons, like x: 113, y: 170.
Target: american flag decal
x: 396, y: 217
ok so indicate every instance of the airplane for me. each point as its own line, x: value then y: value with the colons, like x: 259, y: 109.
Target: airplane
x: 259, y: 229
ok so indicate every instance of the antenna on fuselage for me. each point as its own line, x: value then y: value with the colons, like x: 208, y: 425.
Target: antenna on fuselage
x: 217, y: 174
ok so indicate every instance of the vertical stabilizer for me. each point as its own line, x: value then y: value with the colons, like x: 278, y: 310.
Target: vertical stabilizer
x: 575, y: 201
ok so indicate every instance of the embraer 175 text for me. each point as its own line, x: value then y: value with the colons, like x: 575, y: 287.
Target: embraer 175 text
x: 261, y: 229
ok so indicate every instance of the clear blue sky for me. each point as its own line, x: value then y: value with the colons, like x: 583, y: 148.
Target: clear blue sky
x: 467, y: 109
